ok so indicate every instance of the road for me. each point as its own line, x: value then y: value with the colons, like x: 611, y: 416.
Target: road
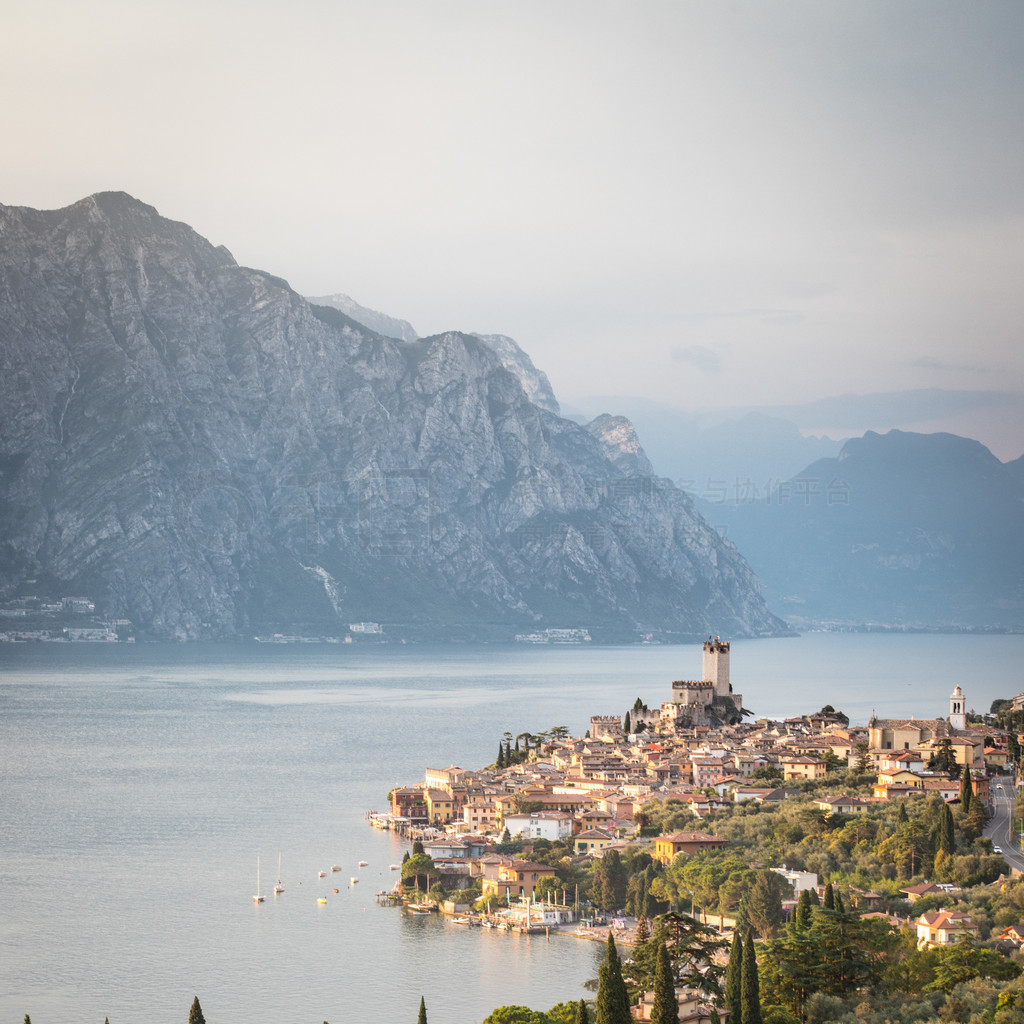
x: 1002, y: 826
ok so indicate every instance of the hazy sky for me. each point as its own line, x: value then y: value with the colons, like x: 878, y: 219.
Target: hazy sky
x: 702, y: 202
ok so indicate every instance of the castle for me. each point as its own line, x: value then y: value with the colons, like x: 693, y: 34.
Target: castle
x: 708, y: 701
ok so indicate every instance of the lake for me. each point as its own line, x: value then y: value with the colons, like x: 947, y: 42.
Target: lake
x: 140, y: 783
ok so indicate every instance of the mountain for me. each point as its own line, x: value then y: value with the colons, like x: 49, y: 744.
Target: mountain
x: 379, y: 323
x: 535, y: 382
x: 704, y: 453
x: 900, y: 528
x: 199, y: 449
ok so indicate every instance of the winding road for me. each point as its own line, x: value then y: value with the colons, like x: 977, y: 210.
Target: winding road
x: 1002, y: 827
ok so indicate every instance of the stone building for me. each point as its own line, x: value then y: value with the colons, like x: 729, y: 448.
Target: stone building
x: 708, y: 701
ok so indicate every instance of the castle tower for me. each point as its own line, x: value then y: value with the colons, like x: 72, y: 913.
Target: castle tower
x: 716, y: 665
x: 957, y: 710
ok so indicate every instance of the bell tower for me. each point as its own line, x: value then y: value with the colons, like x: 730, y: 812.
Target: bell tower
x: 957, y: 710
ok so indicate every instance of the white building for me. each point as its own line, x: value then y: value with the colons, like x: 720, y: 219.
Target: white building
x: 551, y: 825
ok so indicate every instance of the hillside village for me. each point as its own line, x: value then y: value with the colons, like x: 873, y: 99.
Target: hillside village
x: 663, y: 786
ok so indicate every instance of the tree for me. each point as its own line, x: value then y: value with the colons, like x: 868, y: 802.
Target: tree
x: 422, y: 1018
x: 627, y: 727
x: 582, y: 1016
x: 612, y: 997
x: 802, y: 916
x: 516, y: 1015
x: 944, y: 759
x: 863, y: 763
x: 695, y: 950
x: 733, y: 979
x: 666, y: 1007
x: 500, y: 761
x: 750, y: 986
x: 761, y: 906
x: 195, y: 1015
x: 966, y: 791
x: 417, y: 866
x: 829, y: 902
x: 613, y: 881
x: 963, y: 960
x: 947, y: 842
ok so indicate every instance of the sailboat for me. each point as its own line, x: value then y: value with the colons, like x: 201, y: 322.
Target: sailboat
x: 279, y: 887
x: 257, y: 898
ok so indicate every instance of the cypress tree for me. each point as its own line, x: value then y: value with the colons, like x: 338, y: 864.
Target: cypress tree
x: 612, y: 997
x: 422, y: 1018
x: 195, y: 1015
x: 500, y: 762
x: 839, y: 903
x: 582, y: 1016
x: 626, y: 726
x: 947, y: 840
x: 750, y: 985
x: 508, y: 754
x: 802, y: 915
x: 966, y: 791
x: 902, y: 817
x: 666, y: 1007
x: 829, y: 902
x: 733, y: 980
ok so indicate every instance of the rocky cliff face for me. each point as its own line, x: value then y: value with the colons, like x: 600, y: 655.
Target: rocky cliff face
x: 206, y: 453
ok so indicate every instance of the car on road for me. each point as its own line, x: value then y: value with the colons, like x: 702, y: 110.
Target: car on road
x: 997, y: 849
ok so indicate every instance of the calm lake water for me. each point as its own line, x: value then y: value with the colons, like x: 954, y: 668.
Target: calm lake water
x: 140, y: 784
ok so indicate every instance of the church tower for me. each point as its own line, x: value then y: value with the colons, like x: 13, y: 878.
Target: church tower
x: 716, y: 665
x: 957, y: 710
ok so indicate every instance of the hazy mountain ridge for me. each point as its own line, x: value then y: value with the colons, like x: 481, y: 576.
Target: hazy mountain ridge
x: 209, y: 455
x: 379, y: 323
x: 900, y: 528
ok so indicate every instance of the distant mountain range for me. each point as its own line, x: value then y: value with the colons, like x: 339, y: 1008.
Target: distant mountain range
x: 898, y: 529
x: 199, y: 449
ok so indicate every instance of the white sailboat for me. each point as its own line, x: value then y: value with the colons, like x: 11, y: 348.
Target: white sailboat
x: 279, y: 887
x: 257, y: 898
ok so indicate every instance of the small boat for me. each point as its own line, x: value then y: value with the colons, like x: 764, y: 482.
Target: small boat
x: 334, y: 867
x: 279, y: 888
x: 418, y: 913
x: 395, y: 867
x: 364, y: 863
x: 353, y: 880
x: 321, y: 874
x: 461, y: 920
x: 334, y: 890
x: 321, y: 899
x: 257, y: 898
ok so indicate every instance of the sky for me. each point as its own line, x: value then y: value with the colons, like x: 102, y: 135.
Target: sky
x: 701, y: 203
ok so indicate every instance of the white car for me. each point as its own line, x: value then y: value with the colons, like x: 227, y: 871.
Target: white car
x: 997, y: 849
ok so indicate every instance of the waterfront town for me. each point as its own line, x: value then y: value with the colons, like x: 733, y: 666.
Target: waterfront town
x: 601, y: 834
